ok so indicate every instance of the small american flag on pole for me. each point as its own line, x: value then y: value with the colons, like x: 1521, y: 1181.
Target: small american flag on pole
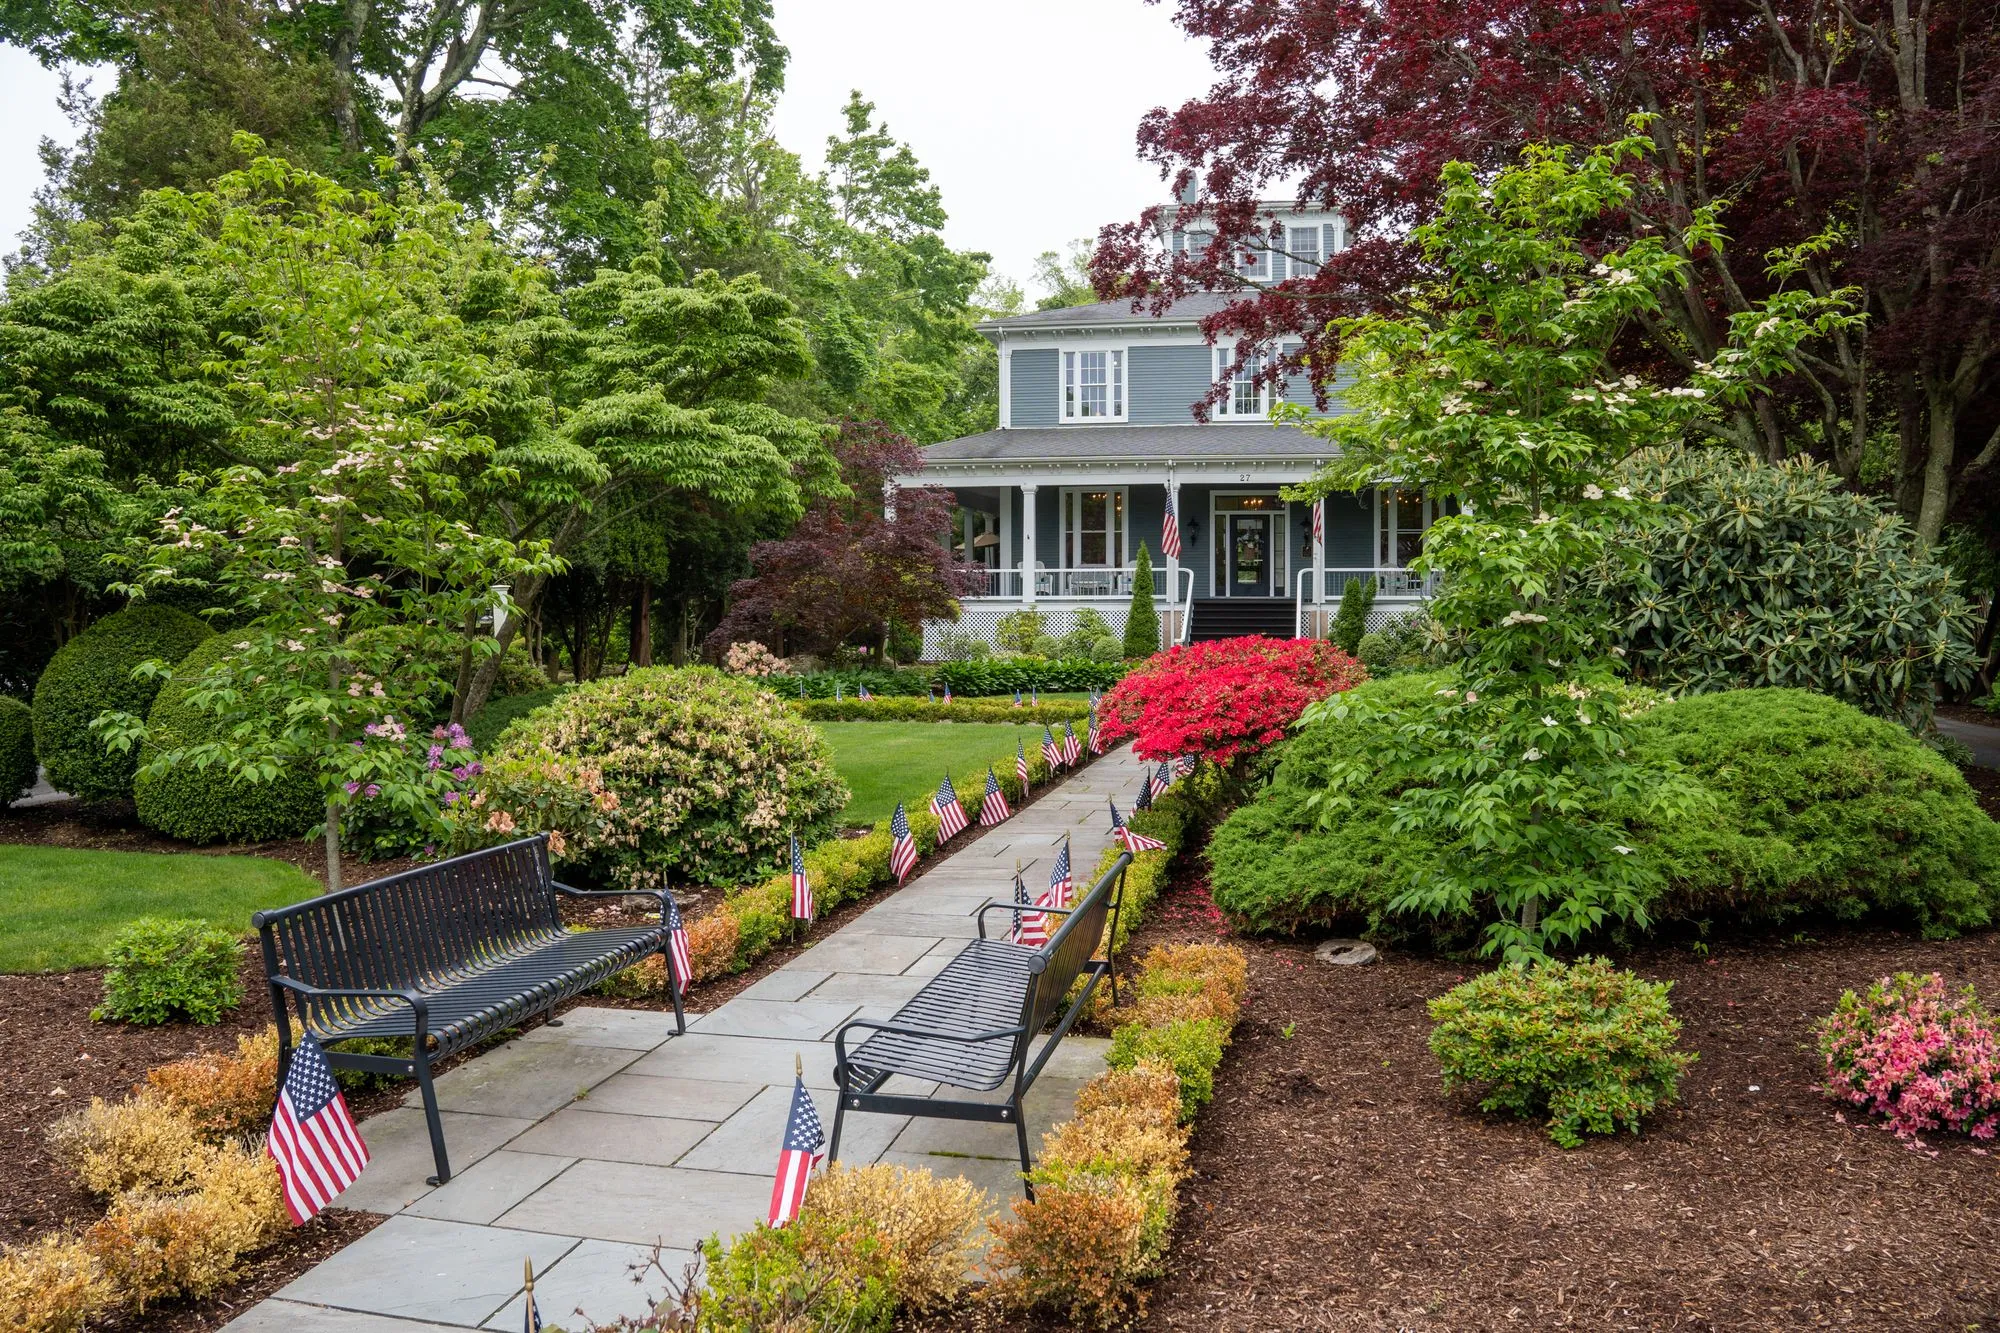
x: 678, y: 952
x: 947, y: 691
x: 1059, y: 880
x: 802, y: 889
x: 950, y: 814
x: 1185, y: 765
x: 313, y: 1140
x: 1144, y: 800
x: 839, y: 694
x: 1162, y: 778
x: 1072, y: 747
x: 1170, y: 529
x: 531, y: 1319
x: 1035, y: 695
x: 1031, y: 929
x: 902, y: 845
x: 993, y: 809
x: 1135, y: 842
x: 1021, y: 765
x: 1017, y: 698
x: 804, y: 1138
x: 1319, y: 521
x: 1051, y: 752
x: 861, y: 692
x: 1096, y: 744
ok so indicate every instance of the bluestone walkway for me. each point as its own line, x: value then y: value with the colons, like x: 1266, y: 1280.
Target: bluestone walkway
x: 582, y: 1146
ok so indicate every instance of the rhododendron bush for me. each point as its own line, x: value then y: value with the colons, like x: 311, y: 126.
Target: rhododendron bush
x: 1919, y: 1056
x: 659, y: 776
x: 1224, y: 699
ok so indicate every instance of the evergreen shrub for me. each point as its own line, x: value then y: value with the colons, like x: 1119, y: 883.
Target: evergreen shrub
x: 17, y: 749
x: 163, y: 971
x: 91, y: 674
x: 208, y: 805
x: 1586, y: 1046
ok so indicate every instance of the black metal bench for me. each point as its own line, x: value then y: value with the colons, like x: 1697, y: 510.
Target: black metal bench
x: 957, y: 1029
x: 444, y: 955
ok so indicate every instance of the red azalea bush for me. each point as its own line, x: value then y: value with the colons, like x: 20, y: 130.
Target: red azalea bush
x: 1224, y: 699
x: 1917, y: 1055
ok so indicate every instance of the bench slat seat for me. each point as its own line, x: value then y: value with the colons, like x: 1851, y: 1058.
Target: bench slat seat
x: 987, y: 980
x: 467, y: 1005
x: 443, y: 956
x: 974, y: 1024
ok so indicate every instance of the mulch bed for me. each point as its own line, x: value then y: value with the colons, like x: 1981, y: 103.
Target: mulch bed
x: 56, y: 1059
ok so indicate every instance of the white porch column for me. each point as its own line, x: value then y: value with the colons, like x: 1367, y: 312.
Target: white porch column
x: 889, y: 500
x: 1319, y: 565
x: 1006, y: 537
x: 1028, y: 544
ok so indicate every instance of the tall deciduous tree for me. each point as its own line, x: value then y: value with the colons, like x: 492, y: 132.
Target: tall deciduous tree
x: 1863, y: 136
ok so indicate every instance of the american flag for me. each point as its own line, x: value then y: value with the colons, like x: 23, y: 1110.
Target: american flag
x: 677, y: 946
x: 1017, y: 698
x: 313, y: 1140
x: 1035, y: 695
x: 933, y: 690
x: 902, y: 845
x: 1072, y: 747
x: 531, y: 1320
x: 950, y: 814
x: 1319, y: 521
x: 1185, y: 765
x: 1170, y: 530
x: 1021, y: 764
x: 947, y: 691
x: 1059, y: 881
x: 861, y: 692
x: 802, y: 889
x: 1096, y: 745
x: 994, y: 808
x: 1134, y: 841
x: 1144, y: 800
x: 801, y: 1153
x: 838, y: 695
x: 1162, y: 778
x: 1051, y: 752
x: 1031, y: 929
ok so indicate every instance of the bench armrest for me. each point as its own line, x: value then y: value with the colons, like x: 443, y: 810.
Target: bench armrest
x: 907, y: 1030
x: 660, y: 895
x: 417, y: 1002
x: 1008, y: 905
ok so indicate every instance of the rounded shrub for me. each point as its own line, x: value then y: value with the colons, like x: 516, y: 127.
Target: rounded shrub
x: 92, y: 673
x: 1587, y: 1046
x: 205, y: 805
x: 163, y: 971
x: 663, y: 774
x: 17, y: 749
x: 1818, y: 809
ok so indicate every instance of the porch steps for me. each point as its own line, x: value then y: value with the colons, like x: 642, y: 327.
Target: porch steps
x: 1234, y: 617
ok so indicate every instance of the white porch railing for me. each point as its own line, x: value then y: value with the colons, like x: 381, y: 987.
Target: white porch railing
x: 1312, y: 614
x: 1069, y: 584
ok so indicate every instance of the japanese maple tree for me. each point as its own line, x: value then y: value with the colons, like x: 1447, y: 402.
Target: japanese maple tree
x: 1223, y: 700
x: 1861, y: 137
x: 855, y: 565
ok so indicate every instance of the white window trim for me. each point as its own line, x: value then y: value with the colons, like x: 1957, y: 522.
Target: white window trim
x: 1118, y: 386
x: 1225, y: 357
x: 1072, y: 538
x: 1300, y: 267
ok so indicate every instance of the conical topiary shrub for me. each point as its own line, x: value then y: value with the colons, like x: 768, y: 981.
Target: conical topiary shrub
x: 1142, y: 624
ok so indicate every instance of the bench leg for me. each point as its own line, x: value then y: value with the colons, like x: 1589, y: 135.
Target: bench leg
x: 431, y: 1119
x: 1021, y: 1128
x: 839, y: 1114
x: 674, y: 985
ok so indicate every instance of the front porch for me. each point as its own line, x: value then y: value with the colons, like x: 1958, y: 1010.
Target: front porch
x: 1249, y: 562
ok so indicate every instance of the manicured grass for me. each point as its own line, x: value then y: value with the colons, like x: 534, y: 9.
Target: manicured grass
x: 60, y: 906
x: 887, y: 762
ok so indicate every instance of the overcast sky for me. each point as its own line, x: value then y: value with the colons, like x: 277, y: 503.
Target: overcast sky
x: 1024, y: 111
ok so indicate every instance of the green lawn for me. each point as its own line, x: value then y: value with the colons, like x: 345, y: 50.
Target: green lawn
x: 60, y: 907
x: 887, y: 762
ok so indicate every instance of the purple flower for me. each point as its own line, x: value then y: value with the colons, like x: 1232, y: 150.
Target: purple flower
x: 460, y: 772
x: 352, y: 787
x: 459, y: 739
x: 475, y: 768
x: 451, y: 798
x: 437, y: 733
x: 437, y: 756
x: 373, y: 790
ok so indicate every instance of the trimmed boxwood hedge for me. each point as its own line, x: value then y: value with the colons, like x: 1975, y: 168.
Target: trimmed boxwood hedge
x: 988, y: 676
x: 1821, y: 811
x: 93, y: 673
x: 205, y: 805
x: 17, y: 749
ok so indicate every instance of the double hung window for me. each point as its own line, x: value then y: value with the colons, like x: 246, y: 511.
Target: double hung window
x: 1246, y: 396
x: 1093, y: 385
x: 1303, y: 245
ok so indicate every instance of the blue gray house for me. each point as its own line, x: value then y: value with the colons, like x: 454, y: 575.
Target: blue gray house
x: 1097, y: 430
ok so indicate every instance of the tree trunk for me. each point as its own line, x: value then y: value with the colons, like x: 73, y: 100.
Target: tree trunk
x: 332, y: 847
x: 346, y: 54
x: 1942, y: 443
x: 641, y: 649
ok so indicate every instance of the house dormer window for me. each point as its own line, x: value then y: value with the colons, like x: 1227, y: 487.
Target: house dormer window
x: 1246, y: 396
x: 1093, y: 384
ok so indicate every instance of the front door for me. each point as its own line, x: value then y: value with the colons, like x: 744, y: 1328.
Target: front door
x: 1249, y: 546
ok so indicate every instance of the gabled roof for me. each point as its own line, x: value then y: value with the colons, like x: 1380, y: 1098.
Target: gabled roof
x: 1188, y: 310
x: 1071, y: 444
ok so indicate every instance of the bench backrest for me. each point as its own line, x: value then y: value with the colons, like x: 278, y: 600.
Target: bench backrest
x: 1072, y: 947
x: 417, y: 927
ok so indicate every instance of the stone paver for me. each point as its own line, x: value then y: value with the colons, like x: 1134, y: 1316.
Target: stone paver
x: 584, y: 1145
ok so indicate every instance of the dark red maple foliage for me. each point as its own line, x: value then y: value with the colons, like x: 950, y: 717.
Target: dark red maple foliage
x: 849, y: 569
x: 1878, y: 119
